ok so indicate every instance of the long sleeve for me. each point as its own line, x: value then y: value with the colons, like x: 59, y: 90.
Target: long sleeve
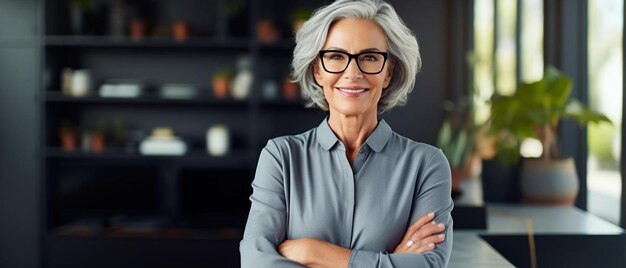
x: 266, y: 225
x: 432, y: 194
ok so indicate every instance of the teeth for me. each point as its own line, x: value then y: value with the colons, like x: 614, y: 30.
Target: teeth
x: 352, y: 90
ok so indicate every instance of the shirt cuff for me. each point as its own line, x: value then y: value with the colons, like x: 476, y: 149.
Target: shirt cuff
x: 362, y: 258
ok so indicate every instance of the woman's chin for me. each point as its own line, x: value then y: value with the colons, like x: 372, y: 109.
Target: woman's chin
x: 351, y: 110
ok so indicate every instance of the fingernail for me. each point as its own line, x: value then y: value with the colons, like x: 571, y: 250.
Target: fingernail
x: 433, y: 222
x: 431, y: 214
x: 442, y: 236
x: 440, y: 225
x: 431, y: 245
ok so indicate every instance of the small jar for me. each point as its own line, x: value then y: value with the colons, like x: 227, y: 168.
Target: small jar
x: 218, y: 140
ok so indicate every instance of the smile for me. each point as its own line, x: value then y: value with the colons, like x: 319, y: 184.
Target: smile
x: 352, y: 91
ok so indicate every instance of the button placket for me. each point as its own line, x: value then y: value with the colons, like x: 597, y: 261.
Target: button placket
x: 349, y: 197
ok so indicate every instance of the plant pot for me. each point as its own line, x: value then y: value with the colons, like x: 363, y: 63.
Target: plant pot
x: 221, y: 87
x: 96, y: 143
x: 180, y: 31
x: 553, y: 182
x: 458, y: 175
x: 466, y: 182
x: 500, y: 183
x: 291, y: 91
x: 68, y: 139
x: 266, y: 31
x: 138, y: 29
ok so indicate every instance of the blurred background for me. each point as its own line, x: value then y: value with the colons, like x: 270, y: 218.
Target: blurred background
x: 129, y: 128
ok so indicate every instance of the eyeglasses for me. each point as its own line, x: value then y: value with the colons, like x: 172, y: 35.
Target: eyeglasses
x: 369, y: 62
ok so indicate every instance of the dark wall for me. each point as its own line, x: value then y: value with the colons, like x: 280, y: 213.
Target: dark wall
x: 421, y: 117
x: 20, y: 212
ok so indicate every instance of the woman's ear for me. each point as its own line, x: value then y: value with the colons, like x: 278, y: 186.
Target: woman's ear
x: 389, y: 76
x: 316, y: 72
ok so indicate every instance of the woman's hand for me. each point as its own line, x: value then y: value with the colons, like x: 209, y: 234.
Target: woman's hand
x: 314, y: 253
x: 422, y: 235
x: 298, y: 250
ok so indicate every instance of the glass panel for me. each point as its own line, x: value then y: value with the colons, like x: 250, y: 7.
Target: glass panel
x: 505, y: 46
x: 605, y: 95
x: 482, y: 58
x: 532, y: 40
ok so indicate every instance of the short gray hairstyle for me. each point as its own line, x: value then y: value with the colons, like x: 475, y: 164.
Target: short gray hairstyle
x: 403, y: 47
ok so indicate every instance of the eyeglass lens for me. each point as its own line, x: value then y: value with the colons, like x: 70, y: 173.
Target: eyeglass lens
x: 368, y: 62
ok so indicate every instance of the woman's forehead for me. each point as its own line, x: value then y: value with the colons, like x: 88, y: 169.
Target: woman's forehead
x: 355, y: 35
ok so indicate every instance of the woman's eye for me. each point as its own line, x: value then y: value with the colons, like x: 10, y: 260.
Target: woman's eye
x: 336, y: 57
x: 369, y: 58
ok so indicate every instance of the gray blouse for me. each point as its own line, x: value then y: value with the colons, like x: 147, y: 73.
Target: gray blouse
x: 305, y: 187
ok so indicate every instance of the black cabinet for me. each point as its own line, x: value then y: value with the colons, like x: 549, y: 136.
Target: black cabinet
x: 103, y: 196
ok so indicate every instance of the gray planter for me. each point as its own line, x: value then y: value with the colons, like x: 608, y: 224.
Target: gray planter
x: 553, y: 182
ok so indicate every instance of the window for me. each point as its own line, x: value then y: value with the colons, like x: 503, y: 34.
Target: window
x: 531, y: 40
x: 506, y: 46
x: 497, y: 38
x: 605, y: 95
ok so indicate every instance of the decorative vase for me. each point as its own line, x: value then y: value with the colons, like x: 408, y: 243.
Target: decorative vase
x: 553, y: 182
x: 81, y: 83
x: 218, y: 140
x: 270, y: 90
x: 243, y: 80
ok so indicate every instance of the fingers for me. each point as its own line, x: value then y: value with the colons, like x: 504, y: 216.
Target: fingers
x: 417, y: 225
x: 423, y: 239
x: 429, y: 243
x: 427, y: 231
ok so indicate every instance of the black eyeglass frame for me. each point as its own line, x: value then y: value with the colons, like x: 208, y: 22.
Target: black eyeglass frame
x: 356, y: 57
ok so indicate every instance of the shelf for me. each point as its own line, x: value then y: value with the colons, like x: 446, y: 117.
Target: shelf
x: 58, y: 97
x: 148, y: 42
x: 194, y: 158
x: 164, y: 233
x: 279, y: 46
x: 193, y: 250
x: 283, y: 103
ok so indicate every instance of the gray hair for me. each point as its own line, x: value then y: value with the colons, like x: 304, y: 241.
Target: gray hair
x: 403, y: 47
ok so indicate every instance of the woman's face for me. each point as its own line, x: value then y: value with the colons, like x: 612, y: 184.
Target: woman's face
x: 352, y: 92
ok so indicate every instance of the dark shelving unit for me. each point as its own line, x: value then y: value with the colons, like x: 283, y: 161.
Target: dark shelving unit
x: 164, y: 211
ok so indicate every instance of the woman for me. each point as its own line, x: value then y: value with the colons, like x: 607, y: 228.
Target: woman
x: 344, y: 194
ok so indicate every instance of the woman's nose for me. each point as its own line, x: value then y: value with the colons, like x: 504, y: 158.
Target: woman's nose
x: 352, y: 71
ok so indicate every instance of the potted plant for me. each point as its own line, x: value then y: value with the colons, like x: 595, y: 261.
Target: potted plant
x: 97, y: 139
x: 68, y: 136
x: 291, y: 90
x: 180, y: 30
x: 221, y: 83
x: 465, y: 144
x: 534, y: 111
x: 455, y: 146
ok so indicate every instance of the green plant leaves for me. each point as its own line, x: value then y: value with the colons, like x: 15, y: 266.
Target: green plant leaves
x: 455, y: 147
x: 535, y: 106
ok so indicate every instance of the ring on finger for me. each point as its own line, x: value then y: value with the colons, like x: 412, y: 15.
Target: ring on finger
x: 409, y: 243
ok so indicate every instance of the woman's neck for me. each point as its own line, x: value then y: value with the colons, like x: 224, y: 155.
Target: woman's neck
x: 352, y: 131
